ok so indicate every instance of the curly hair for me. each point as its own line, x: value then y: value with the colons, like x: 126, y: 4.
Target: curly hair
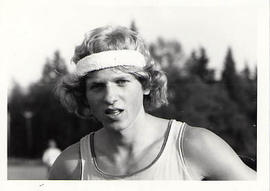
x: 71, y: 88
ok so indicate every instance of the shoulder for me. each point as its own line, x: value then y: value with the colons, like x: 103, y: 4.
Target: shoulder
x: 199, y: 136
x: 211, y: 157
x: 200, y: 140
x: 68, y: 165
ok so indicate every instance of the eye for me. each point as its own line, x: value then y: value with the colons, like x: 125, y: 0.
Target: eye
x: 122, y: 82
x: 96, y: 86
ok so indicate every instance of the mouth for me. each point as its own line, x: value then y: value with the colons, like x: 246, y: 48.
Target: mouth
x: 113, y: 112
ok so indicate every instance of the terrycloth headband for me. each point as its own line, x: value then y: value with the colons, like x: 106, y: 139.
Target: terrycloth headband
x: 109, y: 59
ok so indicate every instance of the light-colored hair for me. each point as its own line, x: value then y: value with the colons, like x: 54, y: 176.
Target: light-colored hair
x: 71, y: 89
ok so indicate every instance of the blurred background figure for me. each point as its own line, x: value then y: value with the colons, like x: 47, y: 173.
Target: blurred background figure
x: 50, y: 154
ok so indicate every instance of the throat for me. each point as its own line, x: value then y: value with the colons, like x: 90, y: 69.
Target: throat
x: 128, y: 136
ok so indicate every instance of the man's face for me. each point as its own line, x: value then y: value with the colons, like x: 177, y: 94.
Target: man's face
x: 115, y: 97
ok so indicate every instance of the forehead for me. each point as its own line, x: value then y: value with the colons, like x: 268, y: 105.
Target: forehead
x: 107, y: 75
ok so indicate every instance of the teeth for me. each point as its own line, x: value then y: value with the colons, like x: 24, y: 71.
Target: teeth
x: 113, y: 112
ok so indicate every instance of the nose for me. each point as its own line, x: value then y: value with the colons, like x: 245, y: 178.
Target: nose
x: 110, y: 96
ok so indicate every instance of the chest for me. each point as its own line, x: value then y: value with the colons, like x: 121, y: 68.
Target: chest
x: 131, y: 163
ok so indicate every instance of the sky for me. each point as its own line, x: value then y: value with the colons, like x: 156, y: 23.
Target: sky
x: 33, y: 30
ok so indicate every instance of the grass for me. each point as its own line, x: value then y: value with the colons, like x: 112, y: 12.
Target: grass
x: 24, y: 169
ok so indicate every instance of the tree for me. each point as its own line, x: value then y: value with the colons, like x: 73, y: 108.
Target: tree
x: 47, y: 112
x: 197, y: 66
x: 196, y: 100
x: 17, y: 123
x: 246, y: 74
x: 243, y: 94
x: 51, y: 120
x: 53, y: 69
x: 41, y: 113
x: 241, y: 87
x: 248, y: 93
x: 229, y: 75
x: 168, y: 54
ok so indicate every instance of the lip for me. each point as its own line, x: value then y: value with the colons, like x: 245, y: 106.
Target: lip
x: 113, y: 113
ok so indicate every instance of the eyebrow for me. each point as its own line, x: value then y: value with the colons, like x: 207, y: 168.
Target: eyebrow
x: 123, y: 76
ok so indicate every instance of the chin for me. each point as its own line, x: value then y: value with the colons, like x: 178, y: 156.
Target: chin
x: 116, y: 125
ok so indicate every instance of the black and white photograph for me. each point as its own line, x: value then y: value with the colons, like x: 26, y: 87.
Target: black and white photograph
x: 164, y: 95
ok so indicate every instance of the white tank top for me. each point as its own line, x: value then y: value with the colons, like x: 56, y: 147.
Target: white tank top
x: 169, y: 164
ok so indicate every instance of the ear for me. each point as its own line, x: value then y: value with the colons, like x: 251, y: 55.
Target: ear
x: 146, y: 91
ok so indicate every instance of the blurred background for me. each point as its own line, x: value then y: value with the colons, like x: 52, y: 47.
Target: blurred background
x: 207, y: 52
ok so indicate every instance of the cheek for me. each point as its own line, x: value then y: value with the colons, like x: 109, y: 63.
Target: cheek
x: 136, y: 98
x: 92, y: 101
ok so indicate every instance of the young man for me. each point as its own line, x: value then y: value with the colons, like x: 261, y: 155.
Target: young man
x: 116, y: 81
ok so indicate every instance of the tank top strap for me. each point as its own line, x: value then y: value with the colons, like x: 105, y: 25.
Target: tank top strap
x: 175, y: 145
x: 85, y: 153
x: 180, y: 145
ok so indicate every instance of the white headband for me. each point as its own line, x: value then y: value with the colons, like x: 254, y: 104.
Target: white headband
x: 109, y: 59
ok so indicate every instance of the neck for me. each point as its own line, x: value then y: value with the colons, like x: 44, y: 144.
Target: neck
x: 129, y: 140
x: 129, y: 136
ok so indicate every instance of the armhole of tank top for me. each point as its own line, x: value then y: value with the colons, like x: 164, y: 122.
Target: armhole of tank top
x: 84, y: 148
x: 181, y: 148
x: 82, y: 157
